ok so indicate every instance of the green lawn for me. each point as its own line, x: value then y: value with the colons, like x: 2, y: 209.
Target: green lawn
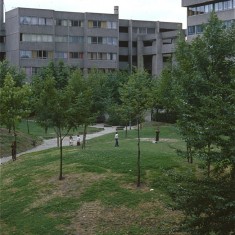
x: 99, y: 194
x: 27, y: 140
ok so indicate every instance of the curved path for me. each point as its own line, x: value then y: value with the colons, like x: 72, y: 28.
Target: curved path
x: 51, y: 143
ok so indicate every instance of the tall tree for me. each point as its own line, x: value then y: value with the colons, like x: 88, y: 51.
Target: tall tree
x: 135, y: 95
x: 204, y: 79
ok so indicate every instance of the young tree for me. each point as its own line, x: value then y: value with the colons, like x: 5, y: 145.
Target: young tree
x: 53, y: 108
x: 135, y: 95
x: 89, y: 98
x: 14, y: 103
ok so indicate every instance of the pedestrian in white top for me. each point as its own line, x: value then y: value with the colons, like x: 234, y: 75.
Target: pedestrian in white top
x: 116, y: 140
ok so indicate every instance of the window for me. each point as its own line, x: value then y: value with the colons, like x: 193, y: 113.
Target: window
x: 35, y: 70
x: 219, y: 6
x: 62, y: 22
x: 25, y: 54
x: 199, y: 29
x: 123, y: 29
x: 208, y: 8
x: 25, y: 20
x: 142, y: 30
x: 74, y: 23
x: 112, y: 56
x: 192, y: 11
x: 34, y: 21
x: 2, y: 39
x: 150, y: 30
x: 228, y: 5
x: 73, y: 55
x: 191, y: 30
x: 112, y: 25
x: 49, y: 21
x: 228, y: 23
x: 96, y: 24
x: 36, y: 38
x: 134, y: 30
x: 99, y: 56
x: 42, y: 21
x: 61, y: 55
x: 75, y: 39
x: 61, y: 39
x: 42, y: 54
x: 201, y: 10
x: 92, y: 55
x: 111, y: 41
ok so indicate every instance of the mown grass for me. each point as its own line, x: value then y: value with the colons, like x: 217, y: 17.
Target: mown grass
x: 28, y: 140
x: 99, y: 193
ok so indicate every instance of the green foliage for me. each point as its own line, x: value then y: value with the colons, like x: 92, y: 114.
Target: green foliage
x: 209, y: 206
x: 203, y: 81
x: 135, y: 95
x: 14, y: 103
x: 18, y: 76
x: 204, y: 91
x: 60, y: 71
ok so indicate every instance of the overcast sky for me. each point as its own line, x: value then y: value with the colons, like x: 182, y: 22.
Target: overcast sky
x: 153, y: 10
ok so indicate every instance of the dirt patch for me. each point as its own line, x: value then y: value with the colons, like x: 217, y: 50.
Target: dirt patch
x: 72, y: 185
x: 160, y: 140
x: 93, y: 218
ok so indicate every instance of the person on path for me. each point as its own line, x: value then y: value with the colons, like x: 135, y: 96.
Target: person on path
x: 78, y: 140
x: 70, y: 140
x: 116, y: 139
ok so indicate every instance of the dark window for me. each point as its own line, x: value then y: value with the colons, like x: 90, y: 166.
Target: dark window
x: 42, y: 54
x: 73, y: 55
x: 123, y: 29
x: 2, y: 39
x: 147, y: 43
x: 134, y: 44
x: 123, y: 58
x: 74, y: 23
x: 123, y: 43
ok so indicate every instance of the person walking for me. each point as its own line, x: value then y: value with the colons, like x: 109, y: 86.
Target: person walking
x: 116, y: 139
x: 78, y: 140
x: 71, y: 140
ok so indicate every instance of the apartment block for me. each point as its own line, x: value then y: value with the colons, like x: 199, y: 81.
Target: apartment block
x: 2, y: 33
x: 198, y: 12
x: 31, y: 38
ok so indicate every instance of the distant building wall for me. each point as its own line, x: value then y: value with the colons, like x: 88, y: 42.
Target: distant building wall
x: 34, y: 37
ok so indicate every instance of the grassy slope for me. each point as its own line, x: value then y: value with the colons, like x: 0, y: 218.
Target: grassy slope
x: 27, y: 141
x: 98, y: 194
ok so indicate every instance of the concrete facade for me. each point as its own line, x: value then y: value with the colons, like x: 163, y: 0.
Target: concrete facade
x: 198, y: 12
x: 2, y: 33
x: 33, y: 37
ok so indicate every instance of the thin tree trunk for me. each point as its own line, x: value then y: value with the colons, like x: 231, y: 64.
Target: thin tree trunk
x: 61, y: 159
x: 28, y: 125
x: 138, y: 158
x: 84, y: 137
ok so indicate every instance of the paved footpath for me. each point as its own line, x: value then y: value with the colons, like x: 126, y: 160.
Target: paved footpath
x: 51, y: 143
